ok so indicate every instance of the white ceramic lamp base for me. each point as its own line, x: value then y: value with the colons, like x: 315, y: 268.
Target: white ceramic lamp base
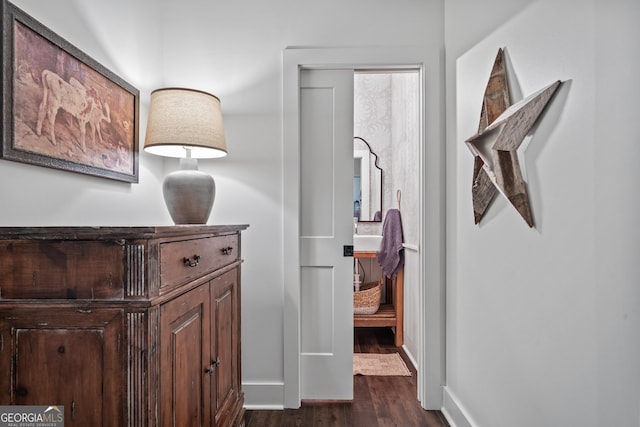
x: 189, y: 193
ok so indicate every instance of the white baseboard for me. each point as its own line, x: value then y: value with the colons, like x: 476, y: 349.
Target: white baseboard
x: 263, y: 395
x: 453, y: 410
x: 410, y: 356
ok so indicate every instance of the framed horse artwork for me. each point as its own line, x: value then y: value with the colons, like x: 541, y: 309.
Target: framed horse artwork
x: 61, y: 109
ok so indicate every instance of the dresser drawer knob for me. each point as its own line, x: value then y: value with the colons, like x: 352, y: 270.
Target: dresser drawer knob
x: 188, y: 262
x: 227, y: 250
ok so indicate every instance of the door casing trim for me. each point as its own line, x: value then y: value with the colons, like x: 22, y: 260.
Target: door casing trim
x: 431, y: 348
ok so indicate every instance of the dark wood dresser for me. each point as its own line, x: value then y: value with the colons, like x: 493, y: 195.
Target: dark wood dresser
x: 123, y: 326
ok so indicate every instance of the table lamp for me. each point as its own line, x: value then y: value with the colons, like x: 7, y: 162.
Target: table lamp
x: 186, y: 124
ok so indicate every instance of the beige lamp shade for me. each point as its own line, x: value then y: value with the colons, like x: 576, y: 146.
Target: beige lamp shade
x: 182, y: 121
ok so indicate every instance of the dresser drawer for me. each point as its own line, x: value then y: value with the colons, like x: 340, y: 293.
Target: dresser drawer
x: 31, y: 269
x: 186, y: 260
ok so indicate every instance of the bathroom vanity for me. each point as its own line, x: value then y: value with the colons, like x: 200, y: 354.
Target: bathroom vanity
x: 391, y: 310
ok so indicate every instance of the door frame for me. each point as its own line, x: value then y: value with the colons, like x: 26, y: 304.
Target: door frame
x: 430, y: 62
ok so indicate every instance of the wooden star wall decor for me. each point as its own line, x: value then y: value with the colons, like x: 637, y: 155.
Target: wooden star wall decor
x: 499, y: 170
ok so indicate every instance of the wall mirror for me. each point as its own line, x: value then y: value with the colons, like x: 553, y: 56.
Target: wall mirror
x: 367, y: 183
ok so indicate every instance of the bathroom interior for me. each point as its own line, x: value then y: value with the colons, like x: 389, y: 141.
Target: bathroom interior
x: 387, y: 130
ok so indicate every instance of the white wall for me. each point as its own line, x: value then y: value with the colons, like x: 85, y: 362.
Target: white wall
x: 405, y: 178
x: 543, y: 324
x: 234, y: 50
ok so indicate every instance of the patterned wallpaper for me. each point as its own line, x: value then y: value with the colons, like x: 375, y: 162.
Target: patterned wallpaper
x: 386, y: 114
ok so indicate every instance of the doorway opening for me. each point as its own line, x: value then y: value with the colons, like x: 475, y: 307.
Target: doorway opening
x: 388, y: 130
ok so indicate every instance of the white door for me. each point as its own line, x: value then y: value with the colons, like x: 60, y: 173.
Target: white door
x: 326, y: 226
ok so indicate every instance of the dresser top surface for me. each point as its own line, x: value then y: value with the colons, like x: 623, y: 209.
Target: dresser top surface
x: 114, y: 232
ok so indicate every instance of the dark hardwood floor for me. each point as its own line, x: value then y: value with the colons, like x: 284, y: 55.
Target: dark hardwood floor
x: 377, y: 401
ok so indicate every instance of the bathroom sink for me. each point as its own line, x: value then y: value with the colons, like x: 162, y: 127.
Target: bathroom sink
x: 366, y: 243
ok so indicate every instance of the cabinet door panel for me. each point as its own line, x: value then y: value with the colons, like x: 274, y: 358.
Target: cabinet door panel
x: 224, y: 346
x: 45, y: 359
x: 68, y: 358
x: 225, y: 306
x: 184, y: 340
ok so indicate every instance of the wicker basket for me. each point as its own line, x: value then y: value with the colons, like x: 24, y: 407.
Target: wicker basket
x: 367, y: 299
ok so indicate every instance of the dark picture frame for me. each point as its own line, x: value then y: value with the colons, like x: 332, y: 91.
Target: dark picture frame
x: 60, y: 108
